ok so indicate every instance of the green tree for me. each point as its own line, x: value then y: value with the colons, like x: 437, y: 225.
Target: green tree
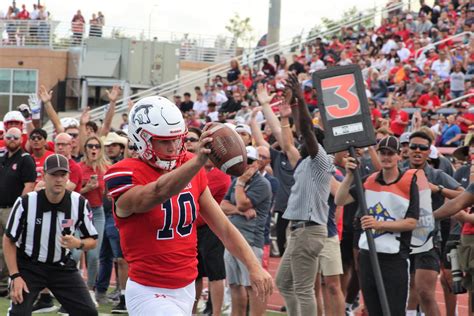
x: 241, y: 30
x: 351, y: 14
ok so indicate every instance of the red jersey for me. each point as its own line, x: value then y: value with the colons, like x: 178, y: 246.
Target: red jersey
x: 218, y: 183
x: 94, y: 196
x: 40, y: 163
x: 159, y: 245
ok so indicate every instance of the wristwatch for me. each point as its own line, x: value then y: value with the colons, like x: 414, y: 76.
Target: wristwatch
x: 81, y: 246
x: 440, y: 187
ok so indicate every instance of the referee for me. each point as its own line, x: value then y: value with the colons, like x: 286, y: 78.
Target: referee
x: 38, y: 239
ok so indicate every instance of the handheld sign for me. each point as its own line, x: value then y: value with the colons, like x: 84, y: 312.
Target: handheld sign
x: 344, y: 108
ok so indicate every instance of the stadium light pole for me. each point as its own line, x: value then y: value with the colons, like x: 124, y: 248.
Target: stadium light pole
x: 274, y: 14
x: 149, y: 21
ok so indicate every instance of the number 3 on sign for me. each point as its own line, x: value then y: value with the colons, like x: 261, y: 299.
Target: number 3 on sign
x: 342, y: 85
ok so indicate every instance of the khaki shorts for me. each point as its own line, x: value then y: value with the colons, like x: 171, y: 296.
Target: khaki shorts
x: 330, y: 262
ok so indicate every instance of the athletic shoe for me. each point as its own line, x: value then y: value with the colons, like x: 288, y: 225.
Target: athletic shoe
x: 114, y: 295
x: 101, y: 298
x: 121, y: 307
x: 92, y: 294
x: 44, y: 304
x: 63, y: 311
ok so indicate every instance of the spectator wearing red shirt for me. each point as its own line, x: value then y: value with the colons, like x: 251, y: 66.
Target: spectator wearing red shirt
x: 398, y: 118
x: 63, y: 146
x: 465, y: 120
x: 375, y: 113
x: 429, y: 101
x: 24, y: 14
x: 39, y: 153
x: 93, y: 166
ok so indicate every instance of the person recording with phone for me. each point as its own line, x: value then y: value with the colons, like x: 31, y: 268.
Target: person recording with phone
x: 37, y: 261
x: 94, y: 164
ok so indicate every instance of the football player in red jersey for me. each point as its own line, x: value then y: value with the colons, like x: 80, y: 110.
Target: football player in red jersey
x: 157, y: 198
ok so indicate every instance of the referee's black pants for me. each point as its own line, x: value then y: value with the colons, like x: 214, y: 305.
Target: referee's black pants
x: 396, y: 277
x: 64, y: 281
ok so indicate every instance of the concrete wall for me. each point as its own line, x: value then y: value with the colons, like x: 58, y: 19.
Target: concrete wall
x: 51, y: 65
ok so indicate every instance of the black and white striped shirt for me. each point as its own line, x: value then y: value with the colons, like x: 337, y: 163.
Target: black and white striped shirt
x: 36, y: 225
x: 309, y: 195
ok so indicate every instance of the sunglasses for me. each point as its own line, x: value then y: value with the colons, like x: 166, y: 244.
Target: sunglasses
x: 132, y: 147
x: 10, y: 137
x: 92, y: 146
x: 419, y: 146
x: 191, y: 139
x: 73, y: 135
x: 36, y: 137
x: 62, y: 144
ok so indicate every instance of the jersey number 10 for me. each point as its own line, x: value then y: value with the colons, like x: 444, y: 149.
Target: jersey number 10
x: 187, y: 216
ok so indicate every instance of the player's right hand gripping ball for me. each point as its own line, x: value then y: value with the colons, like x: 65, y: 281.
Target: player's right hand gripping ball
x: 227, y: 149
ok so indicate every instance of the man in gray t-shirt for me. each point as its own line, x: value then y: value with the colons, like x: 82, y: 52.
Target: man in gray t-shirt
x: 247, y: 203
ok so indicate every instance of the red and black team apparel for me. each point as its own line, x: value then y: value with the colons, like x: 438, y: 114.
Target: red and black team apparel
x: 159, y: 245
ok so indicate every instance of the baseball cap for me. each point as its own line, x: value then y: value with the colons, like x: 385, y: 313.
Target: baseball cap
x: 55, y: 163
x: 114, y: 138
x: 405, y: 138
x: 243, y: 128
x: 252, y: 153
x: 391, y: 143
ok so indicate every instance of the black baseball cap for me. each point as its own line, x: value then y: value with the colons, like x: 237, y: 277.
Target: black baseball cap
x: 55, y: 163
x: 391, y: 143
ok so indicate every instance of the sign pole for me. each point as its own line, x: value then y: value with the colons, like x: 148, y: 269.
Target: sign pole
x: 370, y: 240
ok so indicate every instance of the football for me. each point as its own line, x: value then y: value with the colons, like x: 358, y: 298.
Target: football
x: 227, y: 149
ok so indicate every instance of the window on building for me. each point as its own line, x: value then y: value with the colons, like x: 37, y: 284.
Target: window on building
x: 16, y: 85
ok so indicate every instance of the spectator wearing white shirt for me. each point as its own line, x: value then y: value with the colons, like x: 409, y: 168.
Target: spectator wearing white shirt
x: 212, y: 113
x: 457, y: 81
x: 316, y: 63
x: 403, y: 52
x: 200, y: 105
x: 442, y: 66
x: 388, y: 46
x: 217, y: 95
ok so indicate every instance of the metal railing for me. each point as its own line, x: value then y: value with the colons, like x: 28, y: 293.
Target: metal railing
x: 256, y: 55
x: 64, y: 35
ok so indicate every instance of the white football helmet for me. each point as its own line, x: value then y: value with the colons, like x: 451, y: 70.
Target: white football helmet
x: 13, y: 116
x: 157, y: 118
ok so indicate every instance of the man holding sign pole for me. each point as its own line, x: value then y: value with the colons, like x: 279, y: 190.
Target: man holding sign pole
x: 392, y: 198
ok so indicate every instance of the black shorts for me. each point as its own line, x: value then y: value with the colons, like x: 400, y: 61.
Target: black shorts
x: 210, y: 255
x: 428, y: 260
x: 347, y: 249
x: 395, y: 277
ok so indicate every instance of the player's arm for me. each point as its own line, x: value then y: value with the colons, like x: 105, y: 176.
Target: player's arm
x: 142, y: 198
x: 233, y: 241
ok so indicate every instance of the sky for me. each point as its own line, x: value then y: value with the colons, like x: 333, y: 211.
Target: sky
x: 206, y: 18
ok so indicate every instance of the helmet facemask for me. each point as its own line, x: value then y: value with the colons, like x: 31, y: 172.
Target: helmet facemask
x: 162, y: 160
